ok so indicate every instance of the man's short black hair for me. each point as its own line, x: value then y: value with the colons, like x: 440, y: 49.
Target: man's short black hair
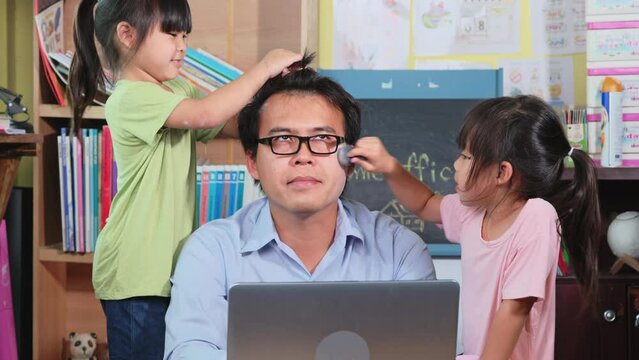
x: 301, y: 80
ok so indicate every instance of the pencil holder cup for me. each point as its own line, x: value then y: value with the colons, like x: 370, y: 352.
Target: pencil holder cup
x: 577, y: 135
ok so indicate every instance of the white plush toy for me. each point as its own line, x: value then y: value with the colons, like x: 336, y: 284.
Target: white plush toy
x: 82, y: 346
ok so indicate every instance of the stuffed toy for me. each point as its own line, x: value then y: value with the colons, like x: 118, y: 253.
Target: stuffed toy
x: 82, y: 346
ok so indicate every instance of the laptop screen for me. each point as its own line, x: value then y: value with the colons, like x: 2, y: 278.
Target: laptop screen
x: 343, y: 320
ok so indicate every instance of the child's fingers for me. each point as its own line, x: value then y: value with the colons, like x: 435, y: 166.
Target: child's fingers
x: 363, y: 163
x: 278, y: 61
x: 371, y: 150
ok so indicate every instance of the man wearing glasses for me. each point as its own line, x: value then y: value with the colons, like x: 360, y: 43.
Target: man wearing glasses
x: 302, y: 230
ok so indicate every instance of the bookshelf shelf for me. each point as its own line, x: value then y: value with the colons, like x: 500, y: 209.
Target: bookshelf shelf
x: 54, y: 253
x: 621, y: 173
x: 57, y: 111
x: 240, y: 33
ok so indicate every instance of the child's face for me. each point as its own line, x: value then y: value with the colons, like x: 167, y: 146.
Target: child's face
x: 477, y: 194
x: 160, y: 56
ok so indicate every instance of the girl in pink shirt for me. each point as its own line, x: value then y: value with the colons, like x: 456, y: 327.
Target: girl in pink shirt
x: 512, y: 216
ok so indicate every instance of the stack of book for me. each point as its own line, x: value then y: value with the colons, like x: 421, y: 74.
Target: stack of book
x: 88, y: 183
x: 613, y: 50
x: 207, y: 72
x: 222, y: 190
x: 202, y: 69
x: 6, y: 127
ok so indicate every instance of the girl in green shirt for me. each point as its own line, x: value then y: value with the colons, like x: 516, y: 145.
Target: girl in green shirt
x: 155, y: 119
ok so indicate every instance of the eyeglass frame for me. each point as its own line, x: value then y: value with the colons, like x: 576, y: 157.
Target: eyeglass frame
x: 302, y: 139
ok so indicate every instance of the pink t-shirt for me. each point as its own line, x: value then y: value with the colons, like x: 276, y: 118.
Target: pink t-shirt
x: 521, y: 263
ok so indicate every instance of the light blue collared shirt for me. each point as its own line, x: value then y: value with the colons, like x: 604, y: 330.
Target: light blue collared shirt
x: 367, y: 245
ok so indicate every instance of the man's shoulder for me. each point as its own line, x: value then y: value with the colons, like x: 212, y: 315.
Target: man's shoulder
x: 230, y: 231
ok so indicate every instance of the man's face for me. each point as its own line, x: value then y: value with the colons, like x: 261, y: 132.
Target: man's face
x: 303, y: 183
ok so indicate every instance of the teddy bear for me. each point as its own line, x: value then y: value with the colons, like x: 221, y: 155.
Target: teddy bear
x: 82, y: 346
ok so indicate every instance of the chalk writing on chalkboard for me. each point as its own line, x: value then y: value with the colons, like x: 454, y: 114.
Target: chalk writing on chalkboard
x: 422, y: 135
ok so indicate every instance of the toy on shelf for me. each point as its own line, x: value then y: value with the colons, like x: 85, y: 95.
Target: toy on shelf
x: 623, y: 239
x: 82, y: 346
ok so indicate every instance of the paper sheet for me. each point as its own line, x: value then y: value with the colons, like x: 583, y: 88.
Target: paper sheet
x: 558, y: 26
x: 465, y: 27
x: 370, y: 34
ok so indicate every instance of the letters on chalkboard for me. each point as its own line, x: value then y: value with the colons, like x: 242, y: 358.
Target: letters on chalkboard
x: 418, y: 124
x: 422, y: 135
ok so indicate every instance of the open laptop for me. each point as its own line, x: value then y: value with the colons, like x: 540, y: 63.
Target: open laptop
x: 343, y: 320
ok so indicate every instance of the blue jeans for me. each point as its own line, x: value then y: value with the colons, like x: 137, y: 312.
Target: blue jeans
x: 135, y: 327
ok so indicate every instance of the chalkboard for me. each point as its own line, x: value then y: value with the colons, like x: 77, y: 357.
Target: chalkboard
x: 417, y: 114
x: 422, y: 135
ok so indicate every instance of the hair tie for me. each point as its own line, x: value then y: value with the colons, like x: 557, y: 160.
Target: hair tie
x: 570, y: 151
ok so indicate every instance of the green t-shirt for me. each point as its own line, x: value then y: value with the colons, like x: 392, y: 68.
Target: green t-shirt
x: 153, y: 211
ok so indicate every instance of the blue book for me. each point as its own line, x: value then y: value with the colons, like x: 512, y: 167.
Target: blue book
x: 86, y: 192
x: 63, y: 189
x: 226, y: 192
x: 219, y: 80
x: 212, y: 198
x: 198, y: 185
x: 241, y: 178
x: 96, y: 185
x: 232, y: 191
x: 219, y: 193
x: 68, y: 193
x: 213, y: 64
x: 219, y: 61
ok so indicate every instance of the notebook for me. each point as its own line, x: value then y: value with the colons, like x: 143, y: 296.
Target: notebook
x: 343, y: 320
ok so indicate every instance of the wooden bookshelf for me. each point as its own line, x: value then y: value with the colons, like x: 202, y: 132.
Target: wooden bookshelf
x: 54, y: 253
x: 57, y: 111
x: 239, y: 31
x: 620, y: 173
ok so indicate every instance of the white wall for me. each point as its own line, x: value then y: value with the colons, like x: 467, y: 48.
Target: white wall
x: 451, y: 269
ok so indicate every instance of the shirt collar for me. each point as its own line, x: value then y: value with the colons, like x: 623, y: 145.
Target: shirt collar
x: 264, y: 232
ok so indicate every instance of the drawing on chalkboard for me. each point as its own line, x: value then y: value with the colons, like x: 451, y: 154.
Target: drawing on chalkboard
x: 398, y: 212
x: 421, y: 134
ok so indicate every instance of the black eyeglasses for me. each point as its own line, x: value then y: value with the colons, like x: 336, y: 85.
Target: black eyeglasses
x: 320, y: 144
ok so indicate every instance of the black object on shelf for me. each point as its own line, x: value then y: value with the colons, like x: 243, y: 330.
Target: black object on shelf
x: 17, y: 112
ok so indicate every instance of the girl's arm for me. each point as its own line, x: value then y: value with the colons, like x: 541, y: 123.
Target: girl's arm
x: 230, y: 129
x: 371, y: 155
x: 506, y: 327
x: 225, y: 102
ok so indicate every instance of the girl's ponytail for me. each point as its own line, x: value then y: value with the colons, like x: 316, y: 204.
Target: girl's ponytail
x: 86, y: 71
x: 577, y: 205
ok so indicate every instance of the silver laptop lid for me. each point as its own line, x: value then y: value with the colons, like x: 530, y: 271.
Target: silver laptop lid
x: 343, y: 320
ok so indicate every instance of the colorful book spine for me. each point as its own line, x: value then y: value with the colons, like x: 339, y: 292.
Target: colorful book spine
x: 219, y: 193
x: 93, y: 133
x: 198, y: 190
x: 241, y: 178
x: 77, y: 193
x: 211, y: 200
x: 226, y: 72
x: 204, y: 205
x: 88, y: 185
x: 107, y: 168
x: 70, y: 209
x: 63, y: 190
